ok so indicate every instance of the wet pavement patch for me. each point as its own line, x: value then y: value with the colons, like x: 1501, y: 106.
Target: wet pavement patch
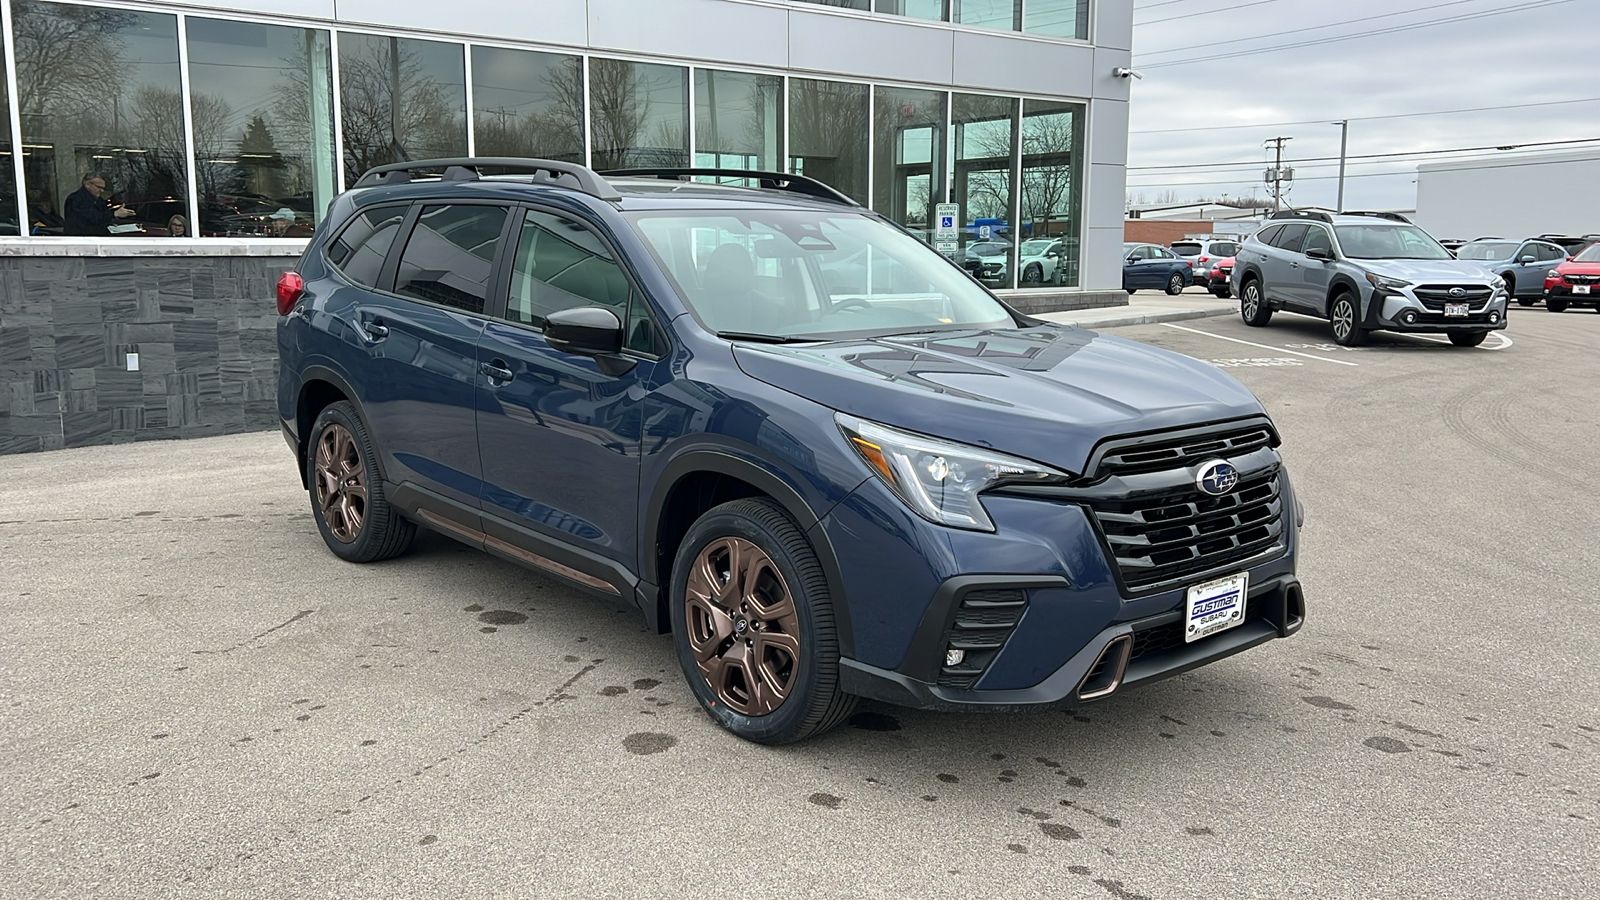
x: 1059, y: 832
x: 644, y: 743
x: 1327, y: 703
x: 1387, y: 744
x: 828, y: 800
x: 502, y: 617
x: 645, y: 684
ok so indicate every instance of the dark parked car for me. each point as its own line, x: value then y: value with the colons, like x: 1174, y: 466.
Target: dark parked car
x: 1575, y: 282
x: 1152, y: 266
x: 652, y: 389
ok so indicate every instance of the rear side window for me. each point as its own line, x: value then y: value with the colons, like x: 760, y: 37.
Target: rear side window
x: 1267, y: 235
x: 1550, y: 251
x: 359, y: 249
x: 449, y: 257
x: 1224, y: 248
x: 1289, y: 238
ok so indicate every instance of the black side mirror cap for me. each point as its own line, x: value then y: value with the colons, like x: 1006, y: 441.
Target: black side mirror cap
x: 586, y: 330
x: 1319, y: 253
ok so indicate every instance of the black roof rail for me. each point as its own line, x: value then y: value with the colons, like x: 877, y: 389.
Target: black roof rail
x: 1302, y: 214
x: 1391, y: 216
x: 550, y: 171
x: 778, y: 181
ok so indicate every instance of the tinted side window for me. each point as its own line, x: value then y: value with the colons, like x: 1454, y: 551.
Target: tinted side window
x: 1267, y: 235
x: 1290, y: 237
x: 1551, y: 251
x: 1317, y: 237
x: 449, y: 257
x: 1224, y: 248
x: 359, y: 249
x: 561, y: 264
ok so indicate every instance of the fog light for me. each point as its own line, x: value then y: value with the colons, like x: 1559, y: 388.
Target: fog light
x: 954, y: 657
x: 1409, y: 317
x: 1494, y: 317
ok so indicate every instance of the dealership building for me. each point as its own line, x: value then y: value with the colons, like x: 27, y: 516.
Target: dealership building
x: 220, y: 130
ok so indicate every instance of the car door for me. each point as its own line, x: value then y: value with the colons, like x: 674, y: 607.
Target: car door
x: 1132, y: 259
x: 559, y: 433
x: 1280, y: 268
x: 1311, y: 291
x: 416, y: 336
x: 1550, y: 256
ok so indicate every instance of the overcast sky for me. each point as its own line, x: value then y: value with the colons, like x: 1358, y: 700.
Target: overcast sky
x: 1200, y: 73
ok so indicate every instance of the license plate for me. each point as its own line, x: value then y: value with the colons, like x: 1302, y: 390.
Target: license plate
x: 1215, y: 606
x: 1456, y: 309
x: 1580, y: 289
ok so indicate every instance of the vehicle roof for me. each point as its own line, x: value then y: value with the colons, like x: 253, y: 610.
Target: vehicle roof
x: 638, y: 194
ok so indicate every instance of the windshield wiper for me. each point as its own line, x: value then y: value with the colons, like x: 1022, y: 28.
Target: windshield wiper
x: 766, y: 338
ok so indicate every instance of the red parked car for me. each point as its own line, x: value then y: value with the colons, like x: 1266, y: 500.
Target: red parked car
x: 1221, y: 271
x: 1575, y: 282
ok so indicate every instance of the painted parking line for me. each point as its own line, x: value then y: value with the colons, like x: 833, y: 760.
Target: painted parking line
x: 1223, y: 337
x: 1505, y: 341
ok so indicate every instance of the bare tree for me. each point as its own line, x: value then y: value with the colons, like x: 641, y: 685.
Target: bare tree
x: 620, y: 114
x: 393, y: 108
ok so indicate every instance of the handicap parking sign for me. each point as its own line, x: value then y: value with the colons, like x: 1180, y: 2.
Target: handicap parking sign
x: 947, y: 221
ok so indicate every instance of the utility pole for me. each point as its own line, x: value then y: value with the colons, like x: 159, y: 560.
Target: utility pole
x: 1277, y: 171
x: 1344, y: 135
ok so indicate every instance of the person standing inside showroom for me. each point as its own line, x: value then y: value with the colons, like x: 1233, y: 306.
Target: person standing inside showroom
x: 86, y: 213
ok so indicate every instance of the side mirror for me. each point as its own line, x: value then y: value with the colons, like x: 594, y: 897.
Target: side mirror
x: 1321, y: 253
x: 587, y: 331
x: 1052, y: 254
x: 1525, y: 260
x: 1132, y: 259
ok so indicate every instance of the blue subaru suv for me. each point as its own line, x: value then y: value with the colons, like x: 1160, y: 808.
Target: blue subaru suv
x: 815, y: 451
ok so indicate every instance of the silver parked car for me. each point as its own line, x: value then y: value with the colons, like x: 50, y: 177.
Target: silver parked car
x: 1523, y: 264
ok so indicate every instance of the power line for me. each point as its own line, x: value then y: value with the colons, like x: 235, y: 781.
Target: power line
x: 1537, y: 4
x: 1412, y: 115
x: 1509, y: 165
x: 1273, y: 34
x: 1207, y: 12
x: 1518, y: 146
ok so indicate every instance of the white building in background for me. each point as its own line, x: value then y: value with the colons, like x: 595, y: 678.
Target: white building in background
x: 1511, y: 196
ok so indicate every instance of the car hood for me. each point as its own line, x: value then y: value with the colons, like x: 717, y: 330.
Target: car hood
x: 1045, y: 394
x: 1579, y: 268
x: 1418, y: 271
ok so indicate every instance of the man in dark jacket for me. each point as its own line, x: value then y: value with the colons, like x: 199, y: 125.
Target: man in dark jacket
x: 86, y: 214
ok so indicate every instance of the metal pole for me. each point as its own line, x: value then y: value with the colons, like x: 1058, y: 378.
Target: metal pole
x: 1344, y: 135
x: 1277, y: 172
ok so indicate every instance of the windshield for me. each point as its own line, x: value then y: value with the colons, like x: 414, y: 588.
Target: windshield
x: 988, y: 248
x: 1388, y: 242
x: 812, y: 275
x: 1486, y: 250
x: 1590, y: 254
x: 1036, y: 248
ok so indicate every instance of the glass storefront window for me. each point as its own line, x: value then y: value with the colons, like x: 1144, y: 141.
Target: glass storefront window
x: 983, y: 133
x: 999, y: 14
x: 1062, y: 18
x: 737, y: 118
x: 844, y: 4
x: 1052, y: 182
x: 98, y: 93
x: 638, y: 114
x: 261, y: 98
x: 527, y: 103
x: 915, y: 9
x: 400, y: 99
x: 908, y: 156
x: 8, y: 172
x: 828, y: 134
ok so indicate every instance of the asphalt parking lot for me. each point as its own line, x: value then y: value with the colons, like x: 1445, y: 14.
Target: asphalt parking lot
x: 198, y: 700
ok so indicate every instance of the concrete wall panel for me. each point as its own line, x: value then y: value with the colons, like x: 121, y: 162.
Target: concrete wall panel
x: 699, y: 29
x: 1002, y: 63
x: 547, y: 22
x: 870, y: 48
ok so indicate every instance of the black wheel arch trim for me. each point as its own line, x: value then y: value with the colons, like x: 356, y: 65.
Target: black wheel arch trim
x: 1342, y: 282
x: 653, y: 597
x: 303, y: 434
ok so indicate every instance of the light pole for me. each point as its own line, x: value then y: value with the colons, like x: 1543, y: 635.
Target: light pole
x: 1344, y: 135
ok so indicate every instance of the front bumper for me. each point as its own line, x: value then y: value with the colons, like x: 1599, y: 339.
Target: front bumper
x: 1563, y: 291
x: 1399, y: 311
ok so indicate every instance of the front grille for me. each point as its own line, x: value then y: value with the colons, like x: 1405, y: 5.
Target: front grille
x: 1160, y: 536
x: 1570, y: 278
x: 1435, y: 296
x: 1160, y: 454
x: 983, y: 624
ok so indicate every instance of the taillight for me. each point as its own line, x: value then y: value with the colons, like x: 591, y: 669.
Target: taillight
x: 290, y: 287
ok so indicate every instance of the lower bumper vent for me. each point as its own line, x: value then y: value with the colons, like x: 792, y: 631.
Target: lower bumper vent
x: 982, y: 625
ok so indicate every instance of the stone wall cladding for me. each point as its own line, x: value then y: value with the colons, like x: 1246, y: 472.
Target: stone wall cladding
x: 204, y: 329
x: 1034, y: 302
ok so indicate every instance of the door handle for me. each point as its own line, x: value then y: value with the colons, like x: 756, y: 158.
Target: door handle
x: 376, y: 331
x: 496, y: 371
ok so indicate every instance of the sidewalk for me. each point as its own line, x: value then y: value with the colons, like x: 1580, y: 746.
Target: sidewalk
x: 1147, y: 307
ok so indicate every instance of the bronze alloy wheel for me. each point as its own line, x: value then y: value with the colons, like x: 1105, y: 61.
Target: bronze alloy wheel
x: 742, y: 626
x: 340, y: 484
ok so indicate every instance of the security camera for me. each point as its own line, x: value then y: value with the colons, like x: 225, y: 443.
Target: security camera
x: 1125, y: 72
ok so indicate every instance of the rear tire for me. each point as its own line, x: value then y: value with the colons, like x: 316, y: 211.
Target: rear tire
x: 1175, y: 284
x: 1467, y: 338
x: 356, y: 520
x: 746, y: 572
x: 1345, y: 321
x: 1253, y: 306
x: 1222, y: 293
x: 1527, y: 301
x: 1556, y: 304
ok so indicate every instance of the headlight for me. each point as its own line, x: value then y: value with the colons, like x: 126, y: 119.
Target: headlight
x: 939, y: 480
x: 1388, y: 284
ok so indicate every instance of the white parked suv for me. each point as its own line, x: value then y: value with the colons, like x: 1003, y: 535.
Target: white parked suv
x: 1202, y: 253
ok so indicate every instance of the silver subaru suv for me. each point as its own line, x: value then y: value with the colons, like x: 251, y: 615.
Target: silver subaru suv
x: 1365, y: 271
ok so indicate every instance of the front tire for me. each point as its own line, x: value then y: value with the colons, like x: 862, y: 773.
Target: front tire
x: 1253, y: 306
x: 1033, y: 276
x: 753, y: 623
x: 1222, y: 293
x: 1175, y: 284
x: 1527, y: 301
x: 356, y: 520
x: 1556, y: 304
x: 1467, y: 338
x: 1345, y: 321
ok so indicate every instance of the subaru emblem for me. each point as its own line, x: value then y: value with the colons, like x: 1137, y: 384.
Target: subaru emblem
x: 1457, y: 292
x: 1217, y: 477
